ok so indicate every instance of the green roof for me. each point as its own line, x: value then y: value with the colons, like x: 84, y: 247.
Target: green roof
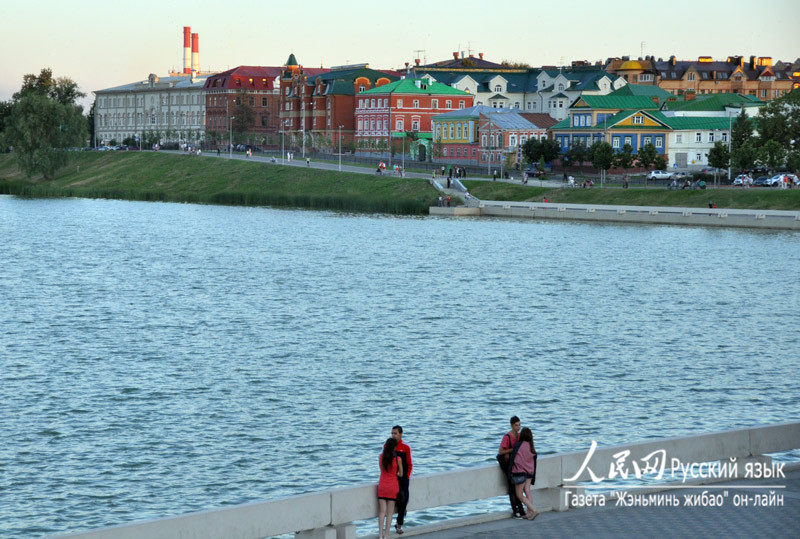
x: 563, y: 124
x: 408, y: 86
x: 292, y: 61
x: 711, y: 102
x: 618, y: 102
x: 647, y: 90
x: 680, y: 123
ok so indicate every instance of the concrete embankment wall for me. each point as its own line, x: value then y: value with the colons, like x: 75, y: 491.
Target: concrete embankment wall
x: 769, y: 219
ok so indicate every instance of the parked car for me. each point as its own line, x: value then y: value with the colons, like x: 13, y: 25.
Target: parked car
x: 742, y: 179
x: 659, y: 175
x: 680, y: 176
x: 774, y: 181
x: 761, y: 182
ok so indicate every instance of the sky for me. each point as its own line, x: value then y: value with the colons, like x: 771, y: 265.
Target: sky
x: 101, y: 44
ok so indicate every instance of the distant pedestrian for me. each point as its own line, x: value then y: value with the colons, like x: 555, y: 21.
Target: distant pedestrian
x: 523, y: 470
x: 506, y: 448
x: 448, y: 201
x: 545, y: 200
x: 308, y: 161
x: 449, y: 182
x: 404, y: 453
x: 494, y: 176
x: 388, y: 486
x: 440, y: 201
x: 217, y: 152
x: 710, y: 203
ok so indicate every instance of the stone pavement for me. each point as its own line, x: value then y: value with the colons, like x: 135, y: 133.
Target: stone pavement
x: 727, y: 520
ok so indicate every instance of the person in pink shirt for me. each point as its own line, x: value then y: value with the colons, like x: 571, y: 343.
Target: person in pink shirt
x: 523, y: 471
x: 506, y: 448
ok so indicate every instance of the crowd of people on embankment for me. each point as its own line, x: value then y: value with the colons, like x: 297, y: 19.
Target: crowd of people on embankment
x: 516, y: 456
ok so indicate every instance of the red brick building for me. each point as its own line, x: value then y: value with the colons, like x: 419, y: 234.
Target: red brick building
x: 404, y: 109
x: 319, y: 104
x: 256, y: 86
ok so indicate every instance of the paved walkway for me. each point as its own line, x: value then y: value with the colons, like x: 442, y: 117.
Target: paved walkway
x: 726, y: 521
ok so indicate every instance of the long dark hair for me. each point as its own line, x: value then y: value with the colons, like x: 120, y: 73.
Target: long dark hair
x: 388, y: 453
x: 525, y: 435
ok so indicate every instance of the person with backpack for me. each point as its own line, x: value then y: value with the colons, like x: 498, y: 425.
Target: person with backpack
x: 503, y: 456
x: 522, y: 464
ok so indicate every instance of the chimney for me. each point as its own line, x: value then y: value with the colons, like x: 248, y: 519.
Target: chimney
x: 655, y: 99
x: 472, y: 56
x: 752, y: 62
x: 455, y: 56
x: 480, y: 55
x: 416, y: 61
x: 689, y: 95
x: 196, y: 52
x: 672, y: 61
x: 187, y: 59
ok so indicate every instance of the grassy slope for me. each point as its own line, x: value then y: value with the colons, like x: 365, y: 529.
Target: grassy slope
x: 183, y: 178
x: 758, y: 198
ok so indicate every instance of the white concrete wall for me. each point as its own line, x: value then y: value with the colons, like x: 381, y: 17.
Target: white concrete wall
x: 319, y: 512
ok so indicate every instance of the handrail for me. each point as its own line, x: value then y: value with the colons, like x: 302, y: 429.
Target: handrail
x: 339, y: 507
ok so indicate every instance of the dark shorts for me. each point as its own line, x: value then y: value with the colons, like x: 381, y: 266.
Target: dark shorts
x: 519, y: 478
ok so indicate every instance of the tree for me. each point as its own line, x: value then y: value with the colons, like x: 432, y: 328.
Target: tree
x: 624, y: 158
x: 646, y: 155
x: 62, y: 89
x: 745, y: 157
x: 779, y: 120
x: 660, y: 162
x: 719, y: 157
x: 549, y: 149
x: 772, y: 153
x: 741, y: 131
x: 793, y: 161
x: 41, y: 129
x: 531, y: 150
x: 577, y: 154
x: 601, y: 154
x: 243, y: 115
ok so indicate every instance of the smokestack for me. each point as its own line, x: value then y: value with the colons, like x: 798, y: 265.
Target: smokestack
x: 187, y: 59
x: 196, y: 52
x: 480, y: 55
x: 455, y: 56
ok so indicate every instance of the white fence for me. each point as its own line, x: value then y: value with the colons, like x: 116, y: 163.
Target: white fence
x: 329, y: 514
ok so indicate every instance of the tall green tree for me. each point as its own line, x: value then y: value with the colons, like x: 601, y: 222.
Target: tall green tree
x: 718, y: 157
x: 62, y: 89
x: 646, y: 155
x: 744, y: 158
x: 624, y: 158
x: 772, y: 154
x: 243, y: 113
x: 41, y: 130
x: 779, y: 120
x: 660, y: 162
x: 601, y: 154
x: 741, y: 131
x: 578, y: 153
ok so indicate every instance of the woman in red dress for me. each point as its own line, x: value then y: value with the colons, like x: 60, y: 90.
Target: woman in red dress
x: 391, y: 467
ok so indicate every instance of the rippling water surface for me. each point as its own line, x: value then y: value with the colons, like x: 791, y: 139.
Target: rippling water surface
x: 157, y: 359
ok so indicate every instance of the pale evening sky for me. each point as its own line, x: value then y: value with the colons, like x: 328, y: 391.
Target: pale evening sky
x: 101, y: 44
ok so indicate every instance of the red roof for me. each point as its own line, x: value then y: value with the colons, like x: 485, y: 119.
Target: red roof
x: 539, y: 119
x: 240, y: 77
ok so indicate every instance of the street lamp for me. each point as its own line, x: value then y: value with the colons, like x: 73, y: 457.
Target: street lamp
x: 340, y: 148
x: 230, y: 137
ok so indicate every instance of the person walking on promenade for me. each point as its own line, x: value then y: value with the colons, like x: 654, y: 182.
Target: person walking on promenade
x: 404, y: 452
x: 388, y: 486
x: 523, y: 471
x: 506, y: 448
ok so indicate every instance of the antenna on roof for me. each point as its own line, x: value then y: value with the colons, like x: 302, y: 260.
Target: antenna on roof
x: 417, y: 55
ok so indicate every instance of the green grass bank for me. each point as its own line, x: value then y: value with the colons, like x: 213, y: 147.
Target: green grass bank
x: 184, y: 178
x: 757, y: 198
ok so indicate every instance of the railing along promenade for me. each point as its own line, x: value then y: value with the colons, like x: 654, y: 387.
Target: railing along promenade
x: 330, y: 514
x: 744, y: 218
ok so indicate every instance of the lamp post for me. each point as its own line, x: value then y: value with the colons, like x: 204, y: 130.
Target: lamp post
x: 730, y: 136
x: 340, y: 148
x: 283, y: 155
x: 230, y: 137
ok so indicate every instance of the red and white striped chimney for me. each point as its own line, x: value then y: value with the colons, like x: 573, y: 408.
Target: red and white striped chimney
x: 187, y: 58
x: 196, y: 53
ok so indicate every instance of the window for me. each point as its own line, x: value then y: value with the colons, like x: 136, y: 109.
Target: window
x: 560, y: 87
x: 483, y: 140
x: 360, y: 125
x: 512, y: 141
x: 691, y: 76
x: 530, y: 105
x: 778, y: 93
x: 361, y: 88
x: 700, y: 157
x: 372, y: 103
x: 560, y: 104
x: 448, y: 104
x: 415, y: 125
x: 698, y: 137
x: 646, y: 77
x: 615, y: 142
x: 516, y: 104
x: 461, y: 104
x: 498, y: 88
x: 763, y: 94
x: 724, y: 136
x: 286, y: 91
x: 263, y: 101
x: 645, y: 141
x: 444, y: 152
x: 628, y: 140
x: 711, y: 136
x: 452, y: 131
x: 398, y: 125
x: 372, y: 125
x: 416, y: 103
x: 264, y: 120
x: 399, y: 103
x: 385, y: 125
x: 678, y: 138
x: 659, y: 142
x: 438, y: 131
x: 434, y: 103
x: 638, y: 120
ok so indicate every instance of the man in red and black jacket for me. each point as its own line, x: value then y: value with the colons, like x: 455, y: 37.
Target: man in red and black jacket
x: 404, y: 452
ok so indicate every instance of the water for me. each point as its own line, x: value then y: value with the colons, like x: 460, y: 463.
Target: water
x: 157, y: 359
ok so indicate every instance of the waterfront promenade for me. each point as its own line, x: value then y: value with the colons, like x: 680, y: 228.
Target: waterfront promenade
x: 728, y: 520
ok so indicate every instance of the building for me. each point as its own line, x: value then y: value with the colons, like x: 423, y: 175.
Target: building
x: 721, y: 105
x: 404, y: 109
x: 168, y: 109
x: 252, y: 94
x: 320, y: 106
x: 548, y: 90
x: 756, y: 77
x: 484, y: 134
